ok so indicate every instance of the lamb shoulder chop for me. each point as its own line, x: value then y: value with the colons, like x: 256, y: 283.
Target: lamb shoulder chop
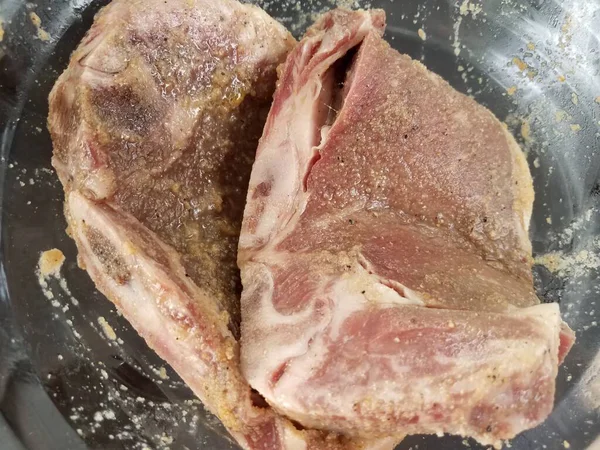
x: 385, y: 256
x: 155, y: 123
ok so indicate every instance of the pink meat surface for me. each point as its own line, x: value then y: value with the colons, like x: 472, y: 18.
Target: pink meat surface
x: 384, y: 252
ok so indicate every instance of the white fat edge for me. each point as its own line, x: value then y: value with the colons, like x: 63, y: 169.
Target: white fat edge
x: 136, y: 300
x: 140, y: 293
x: 138, y: 262
x: 278, y: 160
x: 293, y: 438
x: 277, y: 165
x: 133, y: 297
x: 386, y: 295
x: 286, y: 162
x: 274, y: 348
x: 548, y: 315
x: 548, y: 312
x: 288, y: 176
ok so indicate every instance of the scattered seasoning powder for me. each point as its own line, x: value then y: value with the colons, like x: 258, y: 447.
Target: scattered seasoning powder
x: 574, y: 98
x: 107, y: 329
x: 50, y: 263
x: 37, y: 22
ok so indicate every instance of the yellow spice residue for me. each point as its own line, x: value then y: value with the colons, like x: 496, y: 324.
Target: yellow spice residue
x: 50, y: 262
x: 565, y: 29
x: 162, y: 373
x: 1, y: 30
x: 531, y: 46
x: 522, y: 65
x: 511, y: 90
x: 37, y: 22
x: 109, y: 332
x: 422, y: 34
x: 597, y: 99
x: 575, y: 127
x: 574, y: 98
x: 551, y: 261
x: 559, y: 116
x: 561, y: 78
x: 35, y: 19
x: 574, y: 265
x: 468, y: 7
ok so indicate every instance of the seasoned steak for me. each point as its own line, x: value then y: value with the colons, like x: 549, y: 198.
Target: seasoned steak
x: 155, y: 124
x: 384, y: 251
x: 159, y: 113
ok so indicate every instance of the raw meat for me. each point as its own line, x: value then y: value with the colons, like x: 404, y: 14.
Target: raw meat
x: 155, y: 124
x: 385, y: 256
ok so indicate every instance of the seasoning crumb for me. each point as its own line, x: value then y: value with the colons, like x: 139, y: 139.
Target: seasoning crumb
x: 575, y: 127
x: 574, y: 98
x: 50, y: 263
x: 1, y: 30
x: 530, y: 46
x: 511, y: 90
x: 422, y: 34
x: 163, y: 373
x: 536, y: 163
x: 559, y: 116
x: 109, y: 332
x: 37, y: 22
x: 165, y: 439
x: 467, y: 7
x: 566, y: 444
x: 522, y: 65
x: 561, y: 78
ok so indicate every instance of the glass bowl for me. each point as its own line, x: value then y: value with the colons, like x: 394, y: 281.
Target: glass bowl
x: 75, y: 375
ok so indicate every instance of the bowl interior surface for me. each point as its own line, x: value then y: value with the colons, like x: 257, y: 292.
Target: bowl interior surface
x: 67, y: 382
